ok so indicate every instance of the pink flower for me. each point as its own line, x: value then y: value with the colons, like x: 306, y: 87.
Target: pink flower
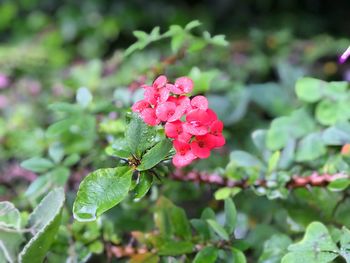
x: 199, y: 102
x: 202, y: 145
x: 140, y: 105
x: 182, y: 85
x: 183, y: 155
x: 198, y: 121
x: 216, y: 134
x: 154, y: 96
x: 175, y: 130
x: 149, y: 116
x: 182, y: 104
x: 160, y: 82
x: 4, y: 81
x: 166, y: 110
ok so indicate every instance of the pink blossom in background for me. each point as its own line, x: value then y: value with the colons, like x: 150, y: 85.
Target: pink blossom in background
x: 4, y: 102
x: 344, y: 56
x: 4, y: 81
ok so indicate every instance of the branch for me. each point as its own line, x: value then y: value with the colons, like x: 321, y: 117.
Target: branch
x: 297, y: 181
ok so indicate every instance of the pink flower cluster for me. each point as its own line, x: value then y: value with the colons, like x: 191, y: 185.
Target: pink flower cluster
x: 194, y: 128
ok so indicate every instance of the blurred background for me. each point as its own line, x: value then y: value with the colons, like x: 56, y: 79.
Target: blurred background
x: 74, y: 52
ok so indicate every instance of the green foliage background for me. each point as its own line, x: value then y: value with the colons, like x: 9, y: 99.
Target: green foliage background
x: 268, y: 68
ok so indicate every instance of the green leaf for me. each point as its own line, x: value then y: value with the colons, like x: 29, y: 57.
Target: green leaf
x: 155, y: 155
x: 218, y: 229
x: 56, y: 152
x: 144, y: 184
x: 327, y: 112
x: 226, y: 192
x: 65, y: 107
x: 310, y: 89
x: 273, y: 161
x: 206, y: 255
x: 139, y: 135
x: 345, y: 244
x: 310, y: 148
x: 44, y: 223
x: 201, y: 79
x: 244, y: 159
x: 71, y: 159
x: 9, y: 215
x: 201, y: 227
x: 100, y: 191
x: 339, y: 134
x: 275, y: 248
x: 83, y: 97
x: 192, y: 24
x: 180, y: 223
x: 175, y: 248
x: 282, y: 129
x: 317, y: 246
x: 339, y: 184
x: 238, y: 256
x: 120, y: 149
x: 10, y: 241
x: 37, y: 164
x: 230, y: 215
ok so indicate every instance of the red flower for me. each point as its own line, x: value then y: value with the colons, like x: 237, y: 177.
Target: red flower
x: 182, y: 85
x: 175, y: 130
x: 182, y: 104
x: 202, y: 145
x: 216, y: 133
x: 183, y: 155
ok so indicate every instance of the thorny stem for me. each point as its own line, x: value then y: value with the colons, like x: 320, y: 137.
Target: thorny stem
x: 297, y: 181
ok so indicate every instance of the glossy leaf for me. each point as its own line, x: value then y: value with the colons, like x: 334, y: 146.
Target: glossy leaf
x: 155, y: 155
x: 100, y: 191
x: 44, y: 222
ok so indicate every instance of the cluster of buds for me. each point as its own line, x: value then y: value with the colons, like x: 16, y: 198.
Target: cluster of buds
x: 193, y: 127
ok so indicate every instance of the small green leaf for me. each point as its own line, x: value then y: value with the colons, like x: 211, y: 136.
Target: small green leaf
x: 310, y: 148
x: 71, y: 159
x: 339, y: 184
x: 100, y: 191
x: 273, y: 161
x: 44, y: 223
x: 144, y: 184
x: 201, y: 79
x: 155, y: 155
x: 230, y: 215
x: 175, y: 248
x: 317, y: 246
x: 238, y: 256
x: 218, y: 229
x: 206, y: 255
x: 9, y: 215
x: 119, y: 148
x: 275, y: 248
x: 10, y: 242
x: 180, y: 223
x: 56, y: 152
x: 244, y: 159
x: 192, y: 24
x: 310, y: 89
x: 339, y: 134
x: 139, y: 135
x: 83, y: 97
x: 37, y: 164
x: 327, y: 112
x: 226, y: 192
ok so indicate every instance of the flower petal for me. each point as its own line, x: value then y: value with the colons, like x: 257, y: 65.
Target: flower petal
x: 199, y: 102
x: 149, y: 116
